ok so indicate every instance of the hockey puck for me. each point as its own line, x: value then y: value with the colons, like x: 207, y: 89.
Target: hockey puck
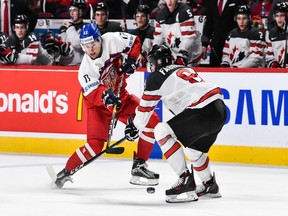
x: 150, y: 190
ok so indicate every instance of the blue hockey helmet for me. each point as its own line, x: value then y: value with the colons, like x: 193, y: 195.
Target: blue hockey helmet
x: 90, y: 33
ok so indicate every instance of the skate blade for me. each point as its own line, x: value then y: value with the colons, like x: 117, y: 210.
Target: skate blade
x: 210, y: 195
x: 182, y: 198
x: 136, y: 180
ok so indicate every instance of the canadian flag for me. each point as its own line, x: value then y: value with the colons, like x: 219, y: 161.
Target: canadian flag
x: 5, y: 18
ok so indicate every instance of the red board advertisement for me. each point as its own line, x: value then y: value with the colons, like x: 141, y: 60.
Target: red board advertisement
x: 41, y: 99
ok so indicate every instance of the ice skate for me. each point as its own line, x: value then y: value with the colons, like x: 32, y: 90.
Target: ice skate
x: 141, y: 175
x: 209, y: 188
x: 62, y: 178
x: 183, y: 190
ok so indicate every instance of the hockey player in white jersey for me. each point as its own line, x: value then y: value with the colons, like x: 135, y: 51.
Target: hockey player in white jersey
x: 200, y: 114
x: 67, y: 44
x: 276, y: 38
x: 245, y: 44
x: 23, y: 47
x: 175, y: 26
x: 100, y: 75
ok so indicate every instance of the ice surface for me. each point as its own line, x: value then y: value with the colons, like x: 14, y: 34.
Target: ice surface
x: 103, y: 188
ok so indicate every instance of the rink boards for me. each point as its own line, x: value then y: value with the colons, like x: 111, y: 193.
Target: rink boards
x: 42, y: 113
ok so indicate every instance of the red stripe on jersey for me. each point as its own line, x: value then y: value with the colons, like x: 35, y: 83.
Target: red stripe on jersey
x: 164, y: 140
x: 157, y: 25
x: 151, y: 97
x: 172, y: 150
x: 188, y: 32
x: 203, y: 167
x: 226, y: 45
x: 33, y: 46
x: 258, y: 53
x: 33, y: 54
x: 156, y: 33
x: 206, y: 96
x: 191, y: 23
x: 145, y: 109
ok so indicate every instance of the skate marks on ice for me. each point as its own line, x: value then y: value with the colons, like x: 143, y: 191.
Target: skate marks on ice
x: 103, y: 186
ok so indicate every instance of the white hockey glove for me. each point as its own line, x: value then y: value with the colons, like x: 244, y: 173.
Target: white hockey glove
x: 131, y: 132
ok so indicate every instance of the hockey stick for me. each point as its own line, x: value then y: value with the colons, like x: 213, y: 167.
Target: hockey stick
x: 52, y: 173
x: 118, y: 150
x: 91, y: 13
x: 123, y: 12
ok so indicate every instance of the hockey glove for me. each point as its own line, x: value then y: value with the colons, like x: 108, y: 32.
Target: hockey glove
x: 109, y: 99
x: 131, y: 132
x: 7, y: 55
x: 153, y: 50
x: 54, y: 45
x: 129, y: 66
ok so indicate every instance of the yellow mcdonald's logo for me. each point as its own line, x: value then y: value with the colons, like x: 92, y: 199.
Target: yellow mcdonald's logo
x: 80, y: 107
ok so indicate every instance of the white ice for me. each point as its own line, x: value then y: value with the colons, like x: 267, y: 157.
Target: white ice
x: 103, y: 188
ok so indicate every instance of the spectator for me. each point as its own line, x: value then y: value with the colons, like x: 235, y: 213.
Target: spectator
x: 245, y: 44
x: 276, y: 38
x: 144, y: 31
x: 219, y: 22
x: 260, y: 11
x: 24, y: 46
x: 101, y: 18
x: 67, y: 45
x: 175, y: 26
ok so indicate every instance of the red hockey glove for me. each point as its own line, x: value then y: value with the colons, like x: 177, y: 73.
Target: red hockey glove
x: 129, y: 66
x: 131, y: 132
x: 109, y: 99
x: 275, y: 65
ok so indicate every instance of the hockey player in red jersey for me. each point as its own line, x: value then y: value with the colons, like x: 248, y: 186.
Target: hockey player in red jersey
x: 175, y: 26
x: 100, y: 75
x: 199, y: 115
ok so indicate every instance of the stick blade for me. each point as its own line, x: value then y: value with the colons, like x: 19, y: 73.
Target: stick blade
x: 117, y: 150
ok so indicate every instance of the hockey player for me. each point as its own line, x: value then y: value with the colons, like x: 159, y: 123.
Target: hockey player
x: 276, y: 38
x: 101, y: 18
x: 23, y: 46
x: 7, y: 55
x: 175, y: 26
x: 67, y: 45
x: 144, y: 31
x: 199, y: 115
x: 100, y: 75
x: 245, y: 44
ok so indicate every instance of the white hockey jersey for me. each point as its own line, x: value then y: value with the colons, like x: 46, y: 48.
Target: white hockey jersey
x: 179, y: 88
x: 178, y: 31
x: 103, y: 70
x: 276, y: 50
x: 244, y: 49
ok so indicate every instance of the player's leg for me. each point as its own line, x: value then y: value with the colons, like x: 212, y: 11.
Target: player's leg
x: 141, y: 175
x: 97, y: 132
x: 174, y: 154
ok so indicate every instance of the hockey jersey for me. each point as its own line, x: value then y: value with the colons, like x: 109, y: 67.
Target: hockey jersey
x: 244, y: 49
x: 29, y: 49
x: 179, y: 88
x: 103, y: 71
x: 71, y: 35
x: 178, y: 31
x: 276, y: 50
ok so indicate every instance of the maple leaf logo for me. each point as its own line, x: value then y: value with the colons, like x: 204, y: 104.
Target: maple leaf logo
x: 169, y: 38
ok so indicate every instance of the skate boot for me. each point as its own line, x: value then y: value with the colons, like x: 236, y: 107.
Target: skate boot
x: 62, y: 177
x: 209, y: 188
x: 141, y: 175
x: 184, y: 186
